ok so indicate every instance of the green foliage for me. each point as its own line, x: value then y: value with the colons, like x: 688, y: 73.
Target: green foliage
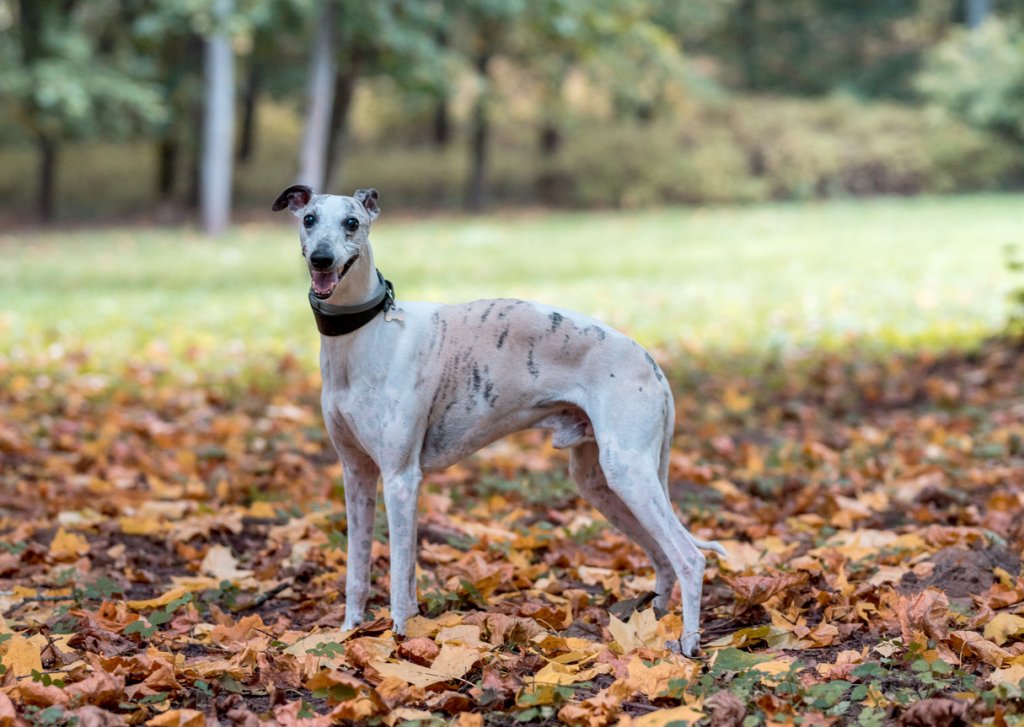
x: 146, y: 627
x: 755, y: 149
x: 70, y: 74
x: 978, y: 75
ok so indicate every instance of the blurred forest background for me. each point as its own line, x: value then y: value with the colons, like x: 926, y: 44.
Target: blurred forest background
x: 157, y: 110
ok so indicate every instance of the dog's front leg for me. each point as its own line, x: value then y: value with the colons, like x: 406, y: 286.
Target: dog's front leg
x: 401, y: 492
x: 360, y: 505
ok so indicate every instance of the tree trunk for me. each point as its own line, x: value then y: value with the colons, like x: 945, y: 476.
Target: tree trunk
x: 47, y: 177
x: 976, y: 12
x: 746, y: 19
x: 322, y: 75
x: 442, y: 131
x: 344, y: 92
x: 247, y: 131
x: 167, y: 167
x: 218, y: 128
x: 476, y: 188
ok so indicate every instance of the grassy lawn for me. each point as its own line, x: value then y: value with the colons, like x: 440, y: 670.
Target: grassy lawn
x: 894, y: 272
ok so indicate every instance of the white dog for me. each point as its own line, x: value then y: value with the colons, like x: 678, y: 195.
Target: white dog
x: 416, y: 390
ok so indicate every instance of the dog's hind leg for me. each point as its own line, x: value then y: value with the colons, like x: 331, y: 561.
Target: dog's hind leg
x: 632, y: 475
x: 586, y: 471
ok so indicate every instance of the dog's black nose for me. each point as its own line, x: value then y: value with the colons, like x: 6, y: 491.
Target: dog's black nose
x: 321, y: 259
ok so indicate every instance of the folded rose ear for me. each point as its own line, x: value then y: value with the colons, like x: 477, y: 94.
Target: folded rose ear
x: 368, y: 198
x: 294, y: 198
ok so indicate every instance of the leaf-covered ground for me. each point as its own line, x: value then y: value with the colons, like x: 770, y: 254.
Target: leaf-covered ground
x: 172, y: 552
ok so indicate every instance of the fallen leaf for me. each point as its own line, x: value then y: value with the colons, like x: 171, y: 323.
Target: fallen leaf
x: 974, y: 643
x: 21, y: 656
x: 665, y: 717
x: 726, y: 709
x: 641, y: 631
x: 1010, y: 677
x: 221, y: 564
x: 179, y: 718
x: 935, y: 712
x: 1003, y: 627
x: 67, y: 546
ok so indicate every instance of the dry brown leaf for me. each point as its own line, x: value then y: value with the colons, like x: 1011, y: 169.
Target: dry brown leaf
x: 287, y: 715
x: 726, y: 709
x: 404, y: 715
x: 364, y: 650
x: 8, y: 715
x: 420, y: 651
x: 974, y: 643
x: 653, y: 681
x: 597, y: 711
x: 469, y: 719
x: 936, y: 712
x: 754, y: 590
x: 396, y: 692
x: 926, y: 612
x: 100, y: 689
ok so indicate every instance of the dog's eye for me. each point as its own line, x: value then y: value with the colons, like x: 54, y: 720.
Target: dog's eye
x: 309, y: 221
x: 351, y: 224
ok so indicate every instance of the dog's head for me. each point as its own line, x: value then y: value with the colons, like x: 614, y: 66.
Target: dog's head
x: 334, y: 232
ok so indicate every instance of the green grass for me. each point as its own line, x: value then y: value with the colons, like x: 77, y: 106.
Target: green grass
x: 892, y: 273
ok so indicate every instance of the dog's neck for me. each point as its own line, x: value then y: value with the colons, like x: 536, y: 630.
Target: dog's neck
x: 359, y: 284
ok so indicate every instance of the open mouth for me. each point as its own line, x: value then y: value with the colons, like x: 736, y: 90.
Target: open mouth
x: 325, y: 282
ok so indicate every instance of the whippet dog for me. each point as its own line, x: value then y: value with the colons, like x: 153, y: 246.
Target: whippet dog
x: 414, y: 390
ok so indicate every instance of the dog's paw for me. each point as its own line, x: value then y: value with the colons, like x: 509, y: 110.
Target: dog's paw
x: 688, y: 646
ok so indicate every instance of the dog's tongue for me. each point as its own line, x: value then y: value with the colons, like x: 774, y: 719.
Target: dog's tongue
x: 323, y: 282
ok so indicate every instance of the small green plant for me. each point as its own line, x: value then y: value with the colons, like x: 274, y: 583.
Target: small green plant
x: 40, y: 677
x: 328, y: 650
x: 148, y: 626
x: 49, y: 717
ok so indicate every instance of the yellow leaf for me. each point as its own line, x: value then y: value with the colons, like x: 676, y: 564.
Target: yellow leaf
x: 639, y: 632
x: 141, y: 526
x: 461, y: 635
x: 452, y: 662
x: 654, y: 680
x: 179, y: 718
x: 174, y: 593
x: 556, y: 674
x: 774, y: 668
x: 408, y: 714
x: 21, y: 656
x: 665, y: 717
x: 301, y: 647
x: 1004, y: 627
x: 221, y: 564
x: 68, y: 546
x: 1010, y: 677
x: 736, y: 401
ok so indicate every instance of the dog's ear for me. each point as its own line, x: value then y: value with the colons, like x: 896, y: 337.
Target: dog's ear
x: 294, y: 198
x: 368, y: 198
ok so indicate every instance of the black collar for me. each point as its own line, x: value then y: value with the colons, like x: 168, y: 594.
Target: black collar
x: 337, y: 320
